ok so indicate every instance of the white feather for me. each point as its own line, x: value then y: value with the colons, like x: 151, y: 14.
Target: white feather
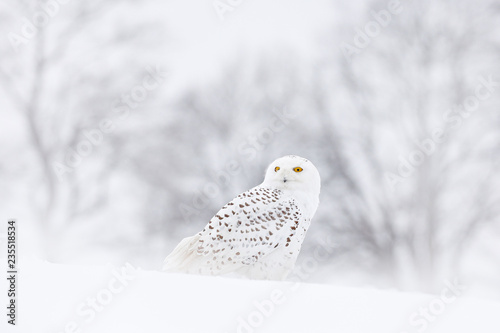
x: 260, y: 232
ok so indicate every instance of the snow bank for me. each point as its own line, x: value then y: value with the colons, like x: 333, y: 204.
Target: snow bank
x: 61, y: 298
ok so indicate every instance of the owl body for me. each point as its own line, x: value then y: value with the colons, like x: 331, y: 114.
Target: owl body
x: 260, y: 232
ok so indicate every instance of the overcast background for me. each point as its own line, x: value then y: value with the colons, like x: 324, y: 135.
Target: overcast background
x: 126, y: 125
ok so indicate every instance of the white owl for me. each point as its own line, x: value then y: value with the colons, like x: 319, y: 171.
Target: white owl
x: 259, y: 233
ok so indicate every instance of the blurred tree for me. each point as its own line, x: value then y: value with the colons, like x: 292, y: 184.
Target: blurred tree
x: 410, y: 80
x: 65, y: 68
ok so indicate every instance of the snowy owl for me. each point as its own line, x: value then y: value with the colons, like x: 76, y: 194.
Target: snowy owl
x: 259, y: 233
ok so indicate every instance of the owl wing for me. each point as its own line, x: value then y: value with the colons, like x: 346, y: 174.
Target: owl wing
x: 247, y: 229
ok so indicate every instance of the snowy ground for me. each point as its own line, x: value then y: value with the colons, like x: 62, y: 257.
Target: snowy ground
x: 61, y: 298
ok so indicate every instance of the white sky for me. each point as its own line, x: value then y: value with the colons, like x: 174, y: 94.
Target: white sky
x: 201, y: 42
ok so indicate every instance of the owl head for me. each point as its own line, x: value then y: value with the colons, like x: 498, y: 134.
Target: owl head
x: 293, y: 173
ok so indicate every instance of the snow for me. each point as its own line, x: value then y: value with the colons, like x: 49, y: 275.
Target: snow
x: 58, y: 298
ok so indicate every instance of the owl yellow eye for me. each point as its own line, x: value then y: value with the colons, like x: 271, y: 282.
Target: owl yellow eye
x: 276, y: 169
x: 298, y: 169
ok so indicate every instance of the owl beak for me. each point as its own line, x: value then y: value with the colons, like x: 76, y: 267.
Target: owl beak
x: 284, y: 179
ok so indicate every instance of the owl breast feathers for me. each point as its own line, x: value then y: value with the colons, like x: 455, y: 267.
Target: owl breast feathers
x: 258, y: 234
